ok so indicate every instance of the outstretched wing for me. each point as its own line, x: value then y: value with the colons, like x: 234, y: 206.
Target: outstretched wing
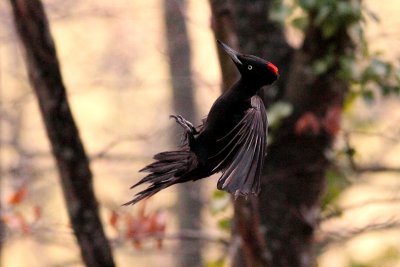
x: 247, y: 146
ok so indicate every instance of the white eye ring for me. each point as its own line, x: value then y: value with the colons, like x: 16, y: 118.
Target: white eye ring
x: 249, y: 67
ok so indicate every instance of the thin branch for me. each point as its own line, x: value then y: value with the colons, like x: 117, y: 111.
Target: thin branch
x: 342, y: 235
x: 375, y: 134
x: 189, y: 235
x: 374, y: 168
x: 106, y: 149
x: 335, y: 213
x: 365, y: 168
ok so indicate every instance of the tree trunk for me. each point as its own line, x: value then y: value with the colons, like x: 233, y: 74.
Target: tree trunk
x: 72, y: 162
x: 276, y: 228
x: 223, y: 26
x: 189, y: 198
x: 260, y: 36
x: 296, y: 163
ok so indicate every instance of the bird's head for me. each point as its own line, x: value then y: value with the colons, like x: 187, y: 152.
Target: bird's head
x: 253, y: 69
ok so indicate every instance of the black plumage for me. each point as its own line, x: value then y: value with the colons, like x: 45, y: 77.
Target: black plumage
x: 231, y: 140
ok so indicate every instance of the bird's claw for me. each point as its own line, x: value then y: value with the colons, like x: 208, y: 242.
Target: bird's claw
x: 186, y: 125
x: 190, y: 130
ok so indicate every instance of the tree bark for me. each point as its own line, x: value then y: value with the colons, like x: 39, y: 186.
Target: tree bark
x: 296, y: 163
x: 223, y: 27
x: 189, y: 194
x: 276, y: 228
x: 72, y: 162
x: 260, y: 36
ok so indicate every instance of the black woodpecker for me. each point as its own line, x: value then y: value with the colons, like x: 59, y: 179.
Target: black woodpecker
x: 231, y: 140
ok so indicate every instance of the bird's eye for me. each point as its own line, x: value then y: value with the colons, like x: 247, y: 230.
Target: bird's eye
x: 249, y: 67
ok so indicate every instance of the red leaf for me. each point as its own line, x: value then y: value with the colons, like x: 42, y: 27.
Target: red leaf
x: 136, y: 244
x: 17, y: 196
x: 160, y: 223
x: 16, y: 221
x: 25, y: 227
x: 145, y: 226
x: 114, y: 217
x: 142, y: 209
x: 307, y: 123
x: 331, y: 121
x: 37, y: 212
x: 133, y: 229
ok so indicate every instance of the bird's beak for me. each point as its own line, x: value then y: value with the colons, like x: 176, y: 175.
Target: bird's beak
x: 232, y: 53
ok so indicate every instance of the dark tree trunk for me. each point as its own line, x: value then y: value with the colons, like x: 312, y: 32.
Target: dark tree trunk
x: 73, y: 166
x: 189, y: 198
x: 276, y: 228
x: 296, y: 163
x: 260, y: 36
x: 223, y: 26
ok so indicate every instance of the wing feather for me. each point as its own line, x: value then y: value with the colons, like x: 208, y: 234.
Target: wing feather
x: 247, y: 145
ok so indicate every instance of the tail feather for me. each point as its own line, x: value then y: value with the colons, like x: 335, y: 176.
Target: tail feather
x: 168, y: 169
x: 162, y: 166
x: 171, y: 155
x: 154, y: 178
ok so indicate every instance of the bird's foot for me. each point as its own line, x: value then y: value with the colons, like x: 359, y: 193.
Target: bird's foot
x: 188, y: 127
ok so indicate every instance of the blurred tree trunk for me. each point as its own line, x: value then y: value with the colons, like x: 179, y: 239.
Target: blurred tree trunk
x: 223, y: 26
x: 277, y: 227
x: 73, y: 166
x: 189, y: 198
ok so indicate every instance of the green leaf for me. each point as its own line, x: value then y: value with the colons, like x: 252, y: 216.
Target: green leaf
x: 225, y: 224
x: 280, y: 12
x: 217, y: 263
x: 336, y: 183
x: 308, y: 4
x: 277, y: 112
x: 321, y: 66
x: 329, y: 28
x: 379, y: 67
x: 300, y: 23
x: 350, y: 100
x: 368, y: 95
x: 322, y: 14
x: 350, y: 152
x: 397, y: 76
x: 387, y: 90
x: 220, y: 201
x: 356, y: 264
x: 219, y: 194
x: 344, y: 8
x: 347, y: 68
x: 348, y: 12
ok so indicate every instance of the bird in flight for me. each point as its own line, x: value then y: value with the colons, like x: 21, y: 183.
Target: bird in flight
x: 231, y: 140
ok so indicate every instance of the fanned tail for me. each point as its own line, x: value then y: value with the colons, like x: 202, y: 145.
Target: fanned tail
x: 168, y: 169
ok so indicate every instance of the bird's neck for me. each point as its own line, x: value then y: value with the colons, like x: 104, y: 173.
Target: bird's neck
x: 245, y: 89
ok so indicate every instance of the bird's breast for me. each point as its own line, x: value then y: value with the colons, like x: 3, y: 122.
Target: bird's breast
x: 210, y: 144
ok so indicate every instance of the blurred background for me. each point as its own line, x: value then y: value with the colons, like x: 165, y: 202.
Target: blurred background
x: 126, y: 66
